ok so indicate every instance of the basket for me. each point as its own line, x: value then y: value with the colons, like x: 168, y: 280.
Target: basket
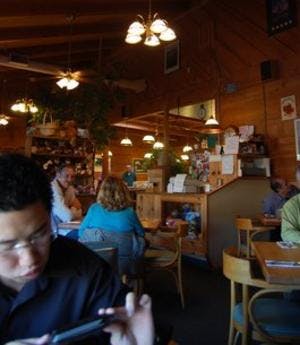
x: 48, y: 128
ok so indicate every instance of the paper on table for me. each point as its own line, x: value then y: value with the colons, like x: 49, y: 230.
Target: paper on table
x: 179, y: 183
x: 281, y: 263
x: 232, y: 145
x: 286, y: 244
x: 227, y: 165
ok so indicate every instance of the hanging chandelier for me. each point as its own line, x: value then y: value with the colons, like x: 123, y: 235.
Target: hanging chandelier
x: 149, y: 139
x: 158, y: 145
x: 154, y: 28
x: 68, y: 79
x: 24, y: 106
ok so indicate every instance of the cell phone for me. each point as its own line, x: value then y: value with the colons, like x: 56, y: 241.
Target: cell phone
x: 80, y: 329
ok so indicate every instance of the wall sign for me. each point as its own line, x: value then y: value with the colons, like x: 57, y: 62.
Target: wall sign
x: 288, y: 108
x: 172, y: 57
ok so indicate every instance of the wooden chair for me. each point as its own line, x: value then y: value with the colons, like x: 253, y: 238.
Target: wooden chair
x: 168, y: 260
x: 238, y: 271
x: 275, y: 320
x: 246, y: 225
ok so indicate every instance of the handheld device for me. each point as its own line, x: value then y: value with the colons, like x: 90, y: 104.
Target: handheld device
x: 80, y: 329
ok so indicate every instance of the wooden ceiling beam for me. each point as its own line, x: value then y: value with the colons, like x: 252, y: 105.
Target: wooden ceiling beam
x: 16, y: 8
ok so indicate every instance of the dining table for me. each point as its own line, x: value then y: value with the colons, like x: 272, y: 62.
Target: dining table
x: 279, y: 265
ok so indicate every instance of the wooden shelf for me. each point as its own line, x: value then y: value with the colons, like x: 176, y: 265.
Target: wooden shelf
x: 58, y: 155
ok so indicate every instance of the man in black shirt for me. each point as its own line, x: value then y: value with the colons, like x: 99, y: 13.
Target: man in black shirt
x: 48, y: 282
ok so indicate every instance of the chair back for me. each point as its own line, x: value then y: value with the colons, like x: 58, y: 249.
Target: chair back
x: 108, y: 254
x: 243, y: 224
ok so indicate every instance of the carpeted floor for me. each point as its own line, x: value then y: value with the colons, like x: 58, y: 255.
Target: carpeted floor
x: 204, y: 321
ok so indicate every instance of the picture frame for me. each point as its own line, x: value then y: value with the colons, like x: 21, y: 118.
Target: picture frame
x: 297, y: 138
x: 172, y: 57
x: 288, y: 108
x: 138, y: 165
x: 281, y: 15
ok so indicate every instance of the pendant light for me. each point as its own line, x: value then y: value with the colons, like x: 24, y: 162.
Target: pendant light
x: 126, y: 141
x: 148, y: 155
x: 158, y: 145
x: 187, y: 148
x: 4, y: 120
x: 24, y: 105
x: 149, y: 139
x: 68, y: 79
x: 185, y: 157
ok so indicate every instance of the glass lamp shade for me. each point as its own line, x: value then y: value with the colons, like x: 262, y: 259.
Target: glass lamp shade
x: 33, y: 108
x: 3, y: 120
x: 23, y: 107
x: 211, y: 122
x: 136, y: 29
x: 126, y: 142
x: 133, y: 38
x: 187, y: 148
x: 15, y: 107
x: 109, y: 153
x: 158, y: 26
x: 167, y: 35
x: 152, y: 41
x: 185, y: 157
x: 72, y: 84
x: 148, y: 155
x: 158, y: 145
x: 149, y: 139
x: 63, y: 82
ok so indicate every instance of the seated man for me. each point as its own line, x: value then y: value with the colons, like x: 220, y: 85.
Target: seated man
x: 290, y: 226
x: 66, y: 206
x: 277, y: 198
x: 129, y: 176
x: 47, y: 282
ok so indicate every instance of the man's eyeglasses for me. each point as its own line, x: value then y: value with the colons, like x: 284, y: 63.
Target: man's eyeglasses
x: 38, y: 239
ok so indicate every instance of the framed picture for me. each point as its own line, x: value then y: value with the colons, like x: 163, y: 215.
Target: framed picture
x: 297, y: 138
x: 281, y: 15
x: 138, y: 165
x: 171, y: 57
x: 288, y: 108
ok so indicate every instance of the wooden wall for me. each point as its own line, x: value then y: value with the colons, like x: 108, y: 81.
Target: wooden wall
x: 224, y: 42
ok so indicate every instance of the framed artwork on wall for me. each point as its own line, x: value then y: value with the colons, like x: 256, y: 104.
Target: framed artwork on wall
x: 138, y: 165
x: 281, y: 15
x: 171, y: 60
x: 297, y: 138
x: 288, y: 107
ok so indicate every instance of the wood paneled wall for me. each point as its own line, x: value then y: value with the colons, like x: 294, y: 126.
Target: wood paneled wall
x: 225, y: 42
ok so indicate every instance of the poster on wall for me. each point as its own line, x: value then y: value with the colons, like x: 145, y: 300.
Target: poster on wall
x: 297, y: 138
x: 288, y: 108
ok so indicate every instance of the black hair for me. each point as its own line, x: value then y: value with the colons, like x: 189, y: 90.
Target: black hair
x: 275, y: 184
x: 22, y: 183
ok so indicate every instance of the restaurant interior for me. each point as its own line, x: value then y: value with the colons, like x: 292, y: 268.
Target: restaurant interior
x: 195, y: 101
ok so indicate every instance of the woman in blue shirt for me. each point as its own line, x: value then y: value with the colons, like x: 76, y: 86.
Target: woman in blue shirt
x: 113, y: 220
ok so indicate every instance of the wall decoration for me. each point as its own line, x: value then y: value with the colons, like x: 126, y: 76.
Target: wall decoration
x: 200, y: 111
x: 281, y: 15
x: 138, y: 165
x: 297, y: 138
x: 288, y: 108
x: 171, y: 57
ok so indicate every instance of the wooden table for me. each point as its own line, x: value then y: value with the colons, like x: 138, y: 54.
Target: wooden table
x: 150, y: 224
x: 277, y: 275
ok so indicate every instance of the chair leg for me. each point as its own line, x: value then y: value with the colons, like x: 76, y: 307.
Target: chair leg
x: 236, y: 338
x: 179, y: 271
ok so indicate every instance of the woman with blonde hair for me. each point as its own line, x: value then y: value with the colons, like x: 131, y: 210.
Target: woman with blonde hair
x: 112, y: 219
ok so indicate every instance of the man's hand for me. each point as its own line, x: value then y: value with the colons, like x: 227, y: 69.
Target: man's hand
x: 33, y: 341
x: 134, y: 322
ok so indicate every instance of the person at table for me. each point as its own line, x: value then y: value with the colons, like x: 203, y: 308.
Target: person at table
x: 49, y: 281
x: 66, y: 206
x: 290, y: 225
x: 129, y: 176
x: 113, y: 219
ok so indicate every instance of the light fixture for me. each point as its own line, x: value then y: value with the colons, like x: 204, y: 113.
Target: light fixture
x: 148, y: 155
x: 68, y: 79
x: 185, y: 157
x: 149, y: 139
x: 187, y: 148
x: 126, y: 141
x: 24, y: 106
x: 109, y: 153
x: 212, y: 121
x: 158, y: 145
x: 4, y: 120
x: 154, y: 28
